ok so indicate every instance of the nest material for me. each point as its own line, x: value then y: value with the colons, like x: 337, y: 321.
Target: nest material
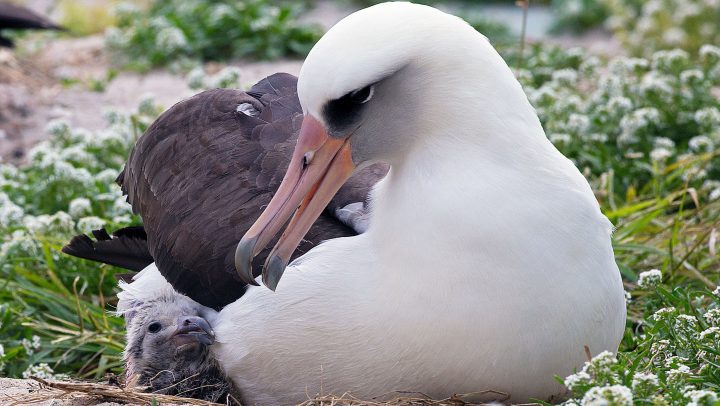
x: 68, y: 390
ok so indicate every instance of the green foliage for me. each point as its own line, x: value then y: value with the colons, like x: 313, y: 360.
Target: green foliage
x: 631, y: 119
x: 208, y: 30
x: 578, y: 15
x: 54, y: 308
x: 647, y: 26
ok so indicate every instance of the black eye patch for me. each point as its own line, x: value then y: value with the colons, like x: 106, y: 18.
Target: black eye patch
x: 342, y: 113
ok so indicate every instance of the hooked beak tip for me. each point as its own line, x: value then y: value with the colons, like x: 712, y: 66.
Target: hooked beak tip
x: 274, y: 268
x: 243, y: 259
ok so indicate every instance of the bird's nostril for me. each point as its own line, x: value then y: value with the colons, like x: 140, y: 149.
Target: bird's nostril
x: 186, y: 322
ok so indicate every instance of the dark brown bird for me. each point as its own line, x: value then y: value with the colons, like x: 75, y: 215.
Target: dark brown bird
x: 201, y: 175
x: 17, y: 17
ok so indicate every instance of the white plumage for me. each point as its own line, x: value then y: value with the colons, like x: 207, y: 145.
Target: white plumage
x: 487, y: 264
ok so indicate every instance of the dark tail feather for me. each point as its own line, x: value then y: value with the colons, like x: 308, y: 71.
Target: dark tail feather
x: 126, y: 248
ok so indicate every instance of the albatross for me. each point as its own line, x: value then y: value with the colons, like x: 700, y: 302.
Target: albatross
x: 219, y: 142
x: 487, y: 264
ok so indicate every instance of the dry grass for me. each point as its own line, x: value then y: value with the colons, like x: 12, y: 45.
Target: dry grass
x: 69, y: 391
x: 50, y: 390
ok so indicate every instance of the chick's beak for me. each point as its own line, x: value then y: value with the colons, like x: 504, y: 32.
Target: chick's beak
x: 320, y: 165
x: 193, y: 329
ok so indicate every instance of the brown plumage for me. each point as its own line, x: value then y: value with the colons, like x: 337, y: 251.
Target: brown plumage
x: 17, y: 17
x: 202, y: 173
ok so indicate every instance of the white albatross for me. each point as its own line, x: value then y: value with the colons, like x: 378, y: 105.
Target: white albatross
x: 487, y: 264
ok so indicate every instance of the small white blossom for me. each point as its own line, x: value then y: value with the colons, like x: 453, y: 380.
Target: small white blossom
x: 79, y: 207
x: 196, y: 79
x: 663, y: 313
x: 660, y: 154
x: 708, y: 117
x: 565, y: 76
x: 710, y: 53
x: 712, y: 332
x: 650, y: 279
x: 701, y: 143
x: 106, y: 176
x: 575, y: 380
x: 171, y: 39
x: 701, y: 397
x: 678, y: 374
x: 41, y: 370
x: 615, y: 395
x: 559, y: 138
x: 712, y: 317
x: 90, y: 223
x: 229, y: 77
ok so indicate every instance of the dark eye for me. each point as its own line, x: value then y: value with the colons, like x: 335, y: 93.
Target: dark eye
x: 154, y: 327
x: 344, y: 112
x: 362, y: 96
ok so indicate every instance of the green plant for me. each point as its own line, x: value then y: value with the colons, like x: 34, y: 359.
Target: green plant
x: 54, y: 308
x: 578, y: 15
x: 208, y: 30
x: 633, y: 120
x: 647, y: 26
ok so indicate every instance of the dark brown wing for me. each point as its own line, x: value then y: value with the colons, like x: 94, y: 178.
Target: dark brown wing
x: 201, y: 175
x: 127, y: 248
x: 16, y: 17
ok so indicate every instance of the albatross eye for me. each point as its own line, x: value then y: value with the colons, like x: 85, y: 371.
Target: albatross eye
x: 154, y: 327
x: 344, y: 112
x: 363, y: 95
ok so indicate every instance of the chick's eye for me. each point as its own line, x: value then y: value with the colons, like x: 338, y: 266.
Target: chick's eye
x: 154, y: 327
x: 363, y: 95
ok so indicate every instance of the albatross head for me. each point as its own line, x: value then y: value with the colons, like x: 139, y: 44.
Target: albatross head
x: 382, y: 82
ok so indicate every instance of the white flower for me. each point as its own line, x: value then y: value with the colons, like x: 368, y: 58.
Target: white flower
x: 41, y: 370
x: 691, y: 76
x: 600, y: 364
x: 710, y: 53
x: 2, y: 350
x: 674, y: 36
x: 644, y: 380
x: 578, y: 123
x: 663, y: 313
x: 79, y: 207
x: 565, y: 76
x: 660, y: 154
x: 107, y: 176
x: 701, y: 143
x: 121, y: 206
x: 31, y: 346
x: 667, y: 60
x: 650, y: 279
x: 712, y: 316
x: 574, y: 380
x: 146, y: 104
x: 171, y: 39
x: 710, y: 332
x: 663, y: 142
x: 196, y: 79
x: 88, y: 224
x: 686, y: 323
x: 57, y: 128
x: 10, y: 213
x: 614, y: 395
x: 619, y: 104
x: 227, y: 78
x: 628, y: 297
x: 708, y: 117
x: 659, y: 346
x: 559, y: 138
x: 701, y: 397
x: 678, y: 374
